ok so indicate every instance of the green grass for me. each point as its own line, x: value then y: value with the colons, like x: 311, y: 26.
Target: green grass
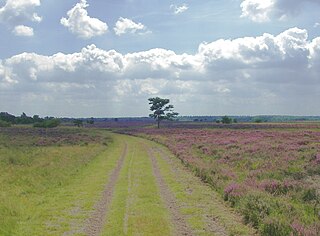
x: 197, y: 200
x: 49, y: 185
x: 49, y: 190
x: 137, y: 208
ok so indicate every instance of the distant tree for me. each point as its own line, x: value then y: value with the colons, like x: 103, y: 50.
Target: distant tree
x: 226, y: 120
x: 4, y: 123
x: 5, y: 116
x: 24, y: 119
x: 90, y: 121
x: 116, y: 119
x: 78, y: 122
x: 47, y: 123
x: 36, y: 118
x: 161, y: 109
x: 258, y: 120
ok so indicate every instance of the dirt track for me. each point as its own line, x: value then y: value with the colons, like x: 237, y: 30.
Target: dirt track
x: 95, y: 223
x: 178, y: 220
x: 186, y: 205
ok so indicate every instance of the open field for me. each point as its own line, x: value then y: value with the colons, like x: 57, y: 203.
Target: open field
x: 75, y: 181
x: 44, y: 176
x: 270, y: 173
x: 67, y: 181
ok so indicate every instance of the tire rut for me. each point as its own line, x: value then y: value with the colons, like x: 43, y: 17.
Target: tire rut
x: 179, y: 222
x: 212, y: 225
x: 129, y: 200
x: 95, y: 223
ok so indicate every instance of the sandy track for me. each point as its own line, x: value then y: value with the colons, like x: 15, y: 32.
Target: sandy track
x: 212, y: 226
x: 181, y: 227
x: 95, y: 223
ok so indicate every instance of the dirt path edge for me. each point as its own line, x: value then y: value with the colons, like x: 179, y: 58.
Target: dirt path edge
x: 95, y: 222
x: 181, y: 227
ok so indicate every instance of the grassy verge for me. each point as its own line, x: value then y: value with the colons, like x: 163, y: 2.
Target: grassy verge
x: 137, y: 208
x: 49, y: 189
x: 203, y: 208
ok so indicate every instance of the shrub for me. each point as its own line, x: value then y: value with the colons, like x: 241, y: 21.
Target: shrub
x: 78, y: 122
x: 233, y: 192
x: 310, y: 195
x: 258, y: 120
x: 276, y: 227
x: 4, y: 124
x: 255, y: 207
x: 51, y: 123
x: 226, y: 120
x: 299, y: 229
x: 276, y: 187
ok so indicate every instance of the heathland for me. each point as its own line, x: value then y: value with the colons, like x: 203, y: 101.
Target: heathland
x: 182, y: 179
x: 270, y: 173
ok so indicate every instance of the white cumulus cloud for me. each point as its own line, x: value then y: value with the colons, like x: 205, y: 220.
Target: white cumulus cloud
x: 179, y: 9
x: 84, y: 26
x: 265, y: 10
x: 288, y: 49
x: 22, y: 30
x: 125, y: 25
x: 265, y: 74
x: 15, y: 13
x: 19, y: 11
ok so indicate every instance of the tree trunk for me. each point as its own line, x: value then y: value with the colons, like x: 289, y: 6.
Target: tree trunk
x: 158, y: 123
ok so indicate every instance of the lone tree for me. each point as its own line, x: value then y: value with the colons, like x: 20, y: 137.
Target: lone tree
x: 78, y: 122
x: 161, y: 109
x: 226, y: 120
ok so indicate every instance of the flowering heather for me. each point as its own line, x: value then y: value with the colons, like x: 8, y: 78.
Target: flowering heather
x: 275, y: 165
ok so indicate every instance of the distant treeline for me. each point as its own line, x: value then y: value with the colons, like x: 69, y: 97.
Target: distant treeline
x: 256, y: 119
x: 7, y: 120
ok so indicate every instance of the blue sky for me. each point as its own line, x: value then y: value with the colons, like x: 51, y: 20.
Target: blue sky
x: 105, y: 58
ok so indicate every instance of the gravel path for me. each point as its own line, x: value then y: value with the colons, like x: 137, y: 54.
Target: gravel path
x: 181, y: 227
x: 95, y: 223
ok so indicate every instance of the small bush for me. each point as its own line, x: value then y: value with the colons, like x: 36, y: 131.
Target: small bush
x: 258, y: 120
x: 233, y: 192
x: 276, y: 227
x: 255, y: 207
x: 310, y: 195
x: 226, y: 120
x: 47, y: 123
x: 4, y: 124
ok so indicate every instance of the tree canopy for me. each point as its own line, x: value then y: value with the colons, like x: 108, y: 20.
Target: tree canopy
x: 78, y: 122
x: 161, y: 109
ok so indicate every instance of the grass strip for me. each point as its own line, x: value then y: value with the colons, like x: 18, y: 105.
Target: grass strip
x: 137, y: 208
x: 61, y: 205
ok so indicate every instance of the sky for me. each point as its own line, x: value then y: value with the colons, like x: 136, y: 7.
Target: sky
x: 84, y: 58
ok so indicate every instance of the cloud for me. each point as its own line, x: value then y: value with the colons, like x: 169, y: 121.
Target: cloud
x: 287, y: 50
x: 19, y: 11
x: 314, y: 56
x: 265, y: 74
x: 261, y: 11
x: 179, y: 9
x: 82, y: 25
x: 124, y: 25
x: 22, y: 30
x: 15, y: 13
